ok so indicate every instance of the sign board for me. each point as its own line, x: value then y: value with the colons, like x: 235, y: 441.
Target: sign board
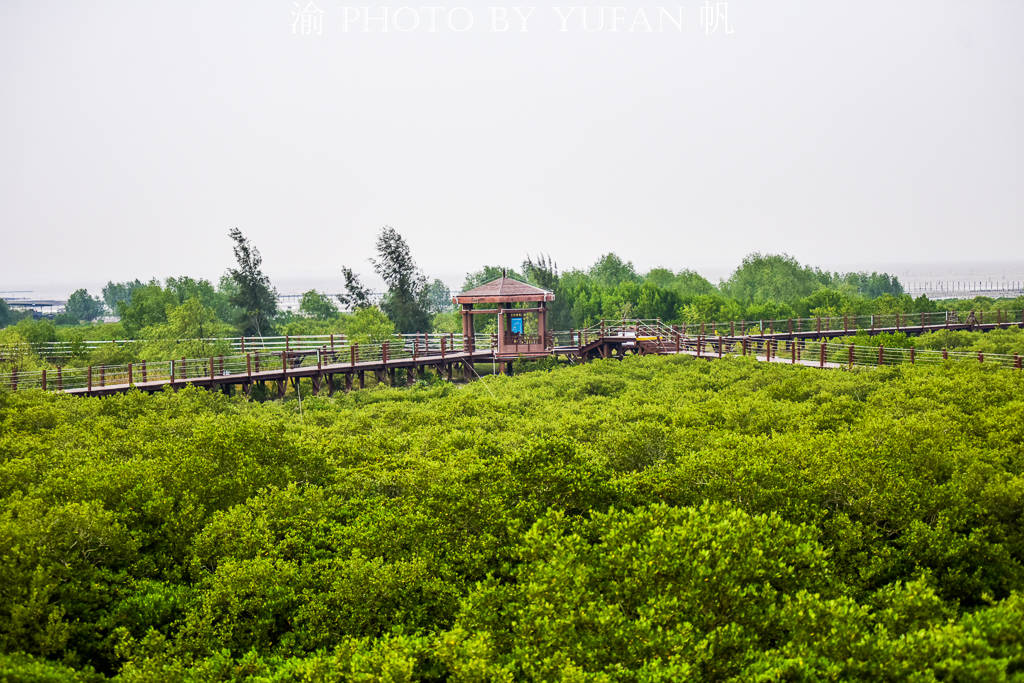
x: 517, y: 325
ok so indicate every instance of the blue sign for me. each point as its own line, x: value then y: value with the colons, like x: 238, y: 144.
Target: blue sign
x: 517, y: 326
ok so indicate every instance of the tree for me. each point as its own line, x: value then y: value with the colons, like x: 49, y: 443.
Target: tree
x: 356, y: 295
x: 610, y: 270
x: 5, y: 314
x: 255, y: 297
x: 439, y: 297
x: 116, y: 292
x: 406, y: 301
x: 317, y: 305
x: 147, y: 306
x: 82, y: 306
x: 542, y: 272
x: 771, y: 277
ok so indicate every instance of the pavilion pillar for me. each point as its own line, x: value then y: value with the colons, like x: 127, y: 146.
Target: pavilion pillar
x: 542, y: 324
x: 501, y: 327
x: 467, y: 326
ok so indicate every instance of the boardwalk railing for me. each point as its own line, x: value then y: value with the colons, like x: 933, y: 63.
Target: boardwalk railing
x: 184, y: 370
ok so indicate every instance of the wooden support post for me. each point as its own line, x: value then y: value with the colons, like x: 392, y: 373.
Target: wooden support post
x: 42, y: 379
x: 384, y: 352
x: 790, y: 325
x: 60, y: 379
x: 679, y: 341
x: 821, y: 354
x: 945, y: 354
x: 912, y: 355
x: 410, y: 376
x: 448, y: 371
x: 130, y: 378
x: 172, y: 373
x: 145, y: 375
x: 362, y: 379
x: 1016, y: 361
x: 248, y: 366
x: 415, y: 347
x: 922, y: 322
x: 732, y: 328
x: 981, y: 357
x: 743, y: 346
x: 332, y: 345
x: 700, y: 342
x: 792, y: 350
x: 281, y: 383
x: 443, y: 344
x: 721, y: 345
x: 881, y: 354
x: 851, y: 357
x: 348, y: 382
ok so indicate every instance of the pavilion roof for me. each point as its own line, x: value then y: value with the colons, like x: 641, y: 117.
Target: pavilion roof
x: 503, y: 289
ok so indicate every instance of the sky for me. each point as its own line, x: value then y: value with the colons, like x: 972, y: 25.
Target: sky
x: 857, y: 135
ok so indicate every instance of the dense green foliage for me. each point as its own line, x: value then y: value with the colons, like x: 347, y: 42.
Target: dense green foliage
x: 651, y: 519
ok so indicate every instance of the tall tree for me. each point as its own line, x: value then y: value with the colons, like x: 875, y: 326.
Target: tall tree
x: 255, y: 297
x: 356, y: 295
x: 116, y: 292
x: 406, y: 301
x: 316, y: 305
x: 610, y: 270
x: 82, y: 306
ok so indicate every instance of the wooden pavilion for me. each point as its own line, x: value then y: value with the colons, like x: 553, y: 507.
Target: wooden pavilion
x: 510, y: 301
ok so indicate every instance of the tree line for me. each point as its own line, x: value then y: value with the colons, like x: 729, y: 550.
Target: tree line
x: 245, y: 302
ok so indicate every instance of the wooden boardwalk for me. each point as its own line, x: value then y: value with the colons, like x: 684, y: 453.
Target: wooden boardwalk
x: 806, y: 342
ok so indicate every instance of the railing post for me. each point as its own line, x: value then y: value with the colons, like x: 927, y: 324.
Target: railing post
x: 248, y: 366
x: 353, y: 352
x: 145, y: 375
x: 922, y: 322
x: 721, y: 344
x: 130, y: 377
x: 945, y: 354
x: 821, y: 354
x: 60, y: 379
x: 415, y: 347
x: 790, y: 325
x: 792, y: 350
x: 743, y: 345
x: 443, y: 340
x: 211, y: 372
x: 332, y: 343
x: 384, y: 352
x: 981, y: 357
x: 1016, y: 361
x: 732, y: 328
x: 172, y: 372
x: 912, y: 355
x: 14, y: 379
x: 88, y: 380
x: 850, y: 361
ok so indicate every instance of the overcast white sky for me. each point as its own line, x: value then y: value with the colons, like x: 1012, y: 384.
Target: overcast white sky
x: 135, y: 134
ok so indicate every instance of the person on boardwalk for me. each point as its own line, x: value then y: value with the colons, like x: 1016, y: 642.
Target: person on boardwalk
x: 971, y: 321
